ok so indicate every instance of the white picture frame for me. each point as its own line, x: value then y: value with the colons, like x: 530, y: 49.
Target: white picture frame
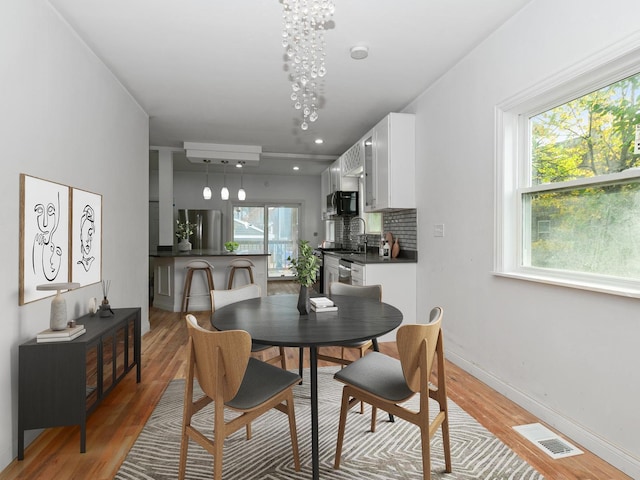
x: 86, y: 237
x: 44, y: 236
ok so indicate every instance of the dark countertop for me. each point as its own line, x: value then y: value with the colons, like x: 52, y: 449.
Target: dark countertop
x: 206, y: 253
x: 374, y: 258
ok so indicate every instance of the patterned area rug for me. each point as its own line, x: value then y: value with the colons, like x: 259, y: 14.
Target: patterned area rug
x: 392, y: 452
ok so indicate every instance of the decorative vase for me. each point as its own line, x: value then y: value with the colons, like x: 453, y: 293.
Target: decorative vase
x: 395, y: 250
x: 303, y: 300
x: 184, y: 245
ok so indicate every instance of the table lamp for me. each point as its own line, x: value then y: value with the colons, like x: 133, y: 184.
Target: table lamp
x: 58, y: 318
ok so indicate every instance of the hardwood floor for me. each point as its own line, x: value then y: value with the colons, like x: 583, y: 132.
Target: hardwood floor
x: 114, y: 426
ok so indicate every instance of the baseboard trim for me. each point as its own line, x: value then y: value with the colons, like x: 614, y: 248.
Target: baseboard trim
x: 594, y: 443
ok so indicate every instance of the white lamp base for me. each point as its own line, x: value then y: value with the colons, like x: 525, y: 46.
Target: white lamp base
x: 58, y: 318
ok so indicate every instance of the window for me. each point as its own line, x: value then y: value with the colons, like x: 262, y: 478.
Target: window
x: 569, y: 167
x: 271, y: 228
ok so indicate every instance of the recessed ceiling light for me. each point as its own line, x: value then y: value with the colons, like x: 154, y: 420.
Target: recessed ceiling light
x: 359, y: 52
x: 319, y: 141
x: 296, y: 167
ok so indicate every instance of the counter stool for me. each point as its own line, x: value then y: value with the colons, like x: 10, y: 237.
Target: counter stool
x: 194, y: 266
x: 237, y: 264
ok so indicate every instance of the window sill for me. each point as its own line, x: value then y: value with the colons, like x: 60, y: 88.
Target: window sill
x: 628, y: 291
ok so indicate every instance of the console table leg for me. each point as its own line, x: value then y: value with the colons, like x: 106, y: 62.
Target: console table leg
x: 83, y: 438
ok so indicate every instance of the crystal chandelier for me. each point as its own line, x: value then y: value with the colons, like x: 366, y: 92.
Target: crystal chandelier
x: 303, y: 41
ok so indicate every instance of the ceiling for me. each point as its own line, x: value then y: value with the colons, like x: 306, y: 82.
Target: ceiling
x: 213, y: 71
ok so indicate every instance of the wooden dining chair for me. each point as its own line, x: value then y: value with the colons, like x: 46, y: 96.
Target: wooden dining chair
x: 230, y: 377
x: 385, y: 383
x: 221, y: 298
x: 363, y: 291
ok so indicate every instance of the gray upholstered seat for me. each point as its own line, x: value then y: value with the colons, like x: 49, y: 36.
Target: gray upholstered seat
x: 260, y: 382
x: 378, y: 374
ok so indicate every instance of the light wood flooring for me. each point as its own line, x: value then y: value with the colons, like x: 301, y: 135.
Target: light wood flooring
x: 114, y: 426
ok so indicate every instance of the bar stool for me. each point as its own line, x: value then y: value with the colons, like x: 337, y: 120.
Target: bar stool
x: 195, y: 266
x: 240, y: 264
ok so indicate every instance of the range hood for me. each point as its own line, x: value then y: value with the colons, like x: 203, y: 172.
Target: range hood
x: 216, y: 152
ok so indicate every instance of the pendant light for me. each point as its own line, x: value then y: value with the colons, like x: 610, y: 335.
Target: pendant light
x: 224, y: 193
x: 242, y: 195
x: 206, y: 191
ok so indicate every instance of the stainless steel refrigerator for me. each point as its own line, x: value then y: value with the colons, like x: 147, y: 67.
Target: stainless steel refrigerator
x: 207, y: 233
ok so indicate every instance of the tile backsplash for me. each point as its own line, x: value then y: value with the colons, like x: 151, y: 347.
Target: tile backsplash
x: 404, y: 226
x: 401, y: 223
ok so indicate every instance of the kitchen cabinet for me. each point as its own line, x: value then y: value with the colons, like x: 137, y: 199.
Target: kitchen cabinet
x: 331, y: 270
x: 357, y: 274
x: 353, y: 161
x: 334, y: 180
x: 325, y: 189
x: 339, y: 181
x: 398, y: 282
x: 389, y: 163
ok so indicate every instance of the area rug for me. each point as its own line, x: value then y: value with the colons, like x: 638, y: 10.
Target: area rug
x: 392, y: 452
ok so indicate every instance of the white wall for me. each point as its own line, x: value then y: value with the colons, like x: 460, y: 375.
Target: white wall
x: 569, y: 356
x: 303, y: 189
x: 65, y: 119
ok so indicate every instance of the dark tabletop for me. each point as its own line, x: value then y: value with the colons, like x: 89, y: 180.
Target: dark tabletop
x: 274, y: 320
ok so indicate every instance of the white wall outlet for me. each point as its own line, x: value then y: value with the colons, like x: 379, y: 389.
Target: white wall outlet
x: 438, y: 230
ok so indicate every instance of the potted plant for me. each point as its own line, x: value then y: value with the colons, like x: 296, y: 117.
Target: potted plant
x: 231, y: 246
x: 305, y: 268
x: 183, y: 232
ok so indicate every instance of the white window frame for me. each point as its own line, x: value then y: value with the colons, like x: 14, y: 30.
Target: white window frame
x: 513, y: 170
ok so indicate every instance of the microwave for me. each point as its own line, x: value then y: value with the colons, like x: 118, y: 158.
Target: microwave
x: 342, y: 204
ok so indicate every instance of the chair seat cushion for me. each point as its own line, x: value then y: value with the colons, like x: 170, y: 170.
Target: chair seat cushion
x: 356, y: 344
x: 378, y: 374
x: 261, y: 382
x: 257, y: 347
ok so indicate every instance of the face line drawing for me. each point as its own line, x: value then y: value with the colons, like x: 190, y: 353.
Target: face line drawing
x: 47, y: 221
x: 87, y: 229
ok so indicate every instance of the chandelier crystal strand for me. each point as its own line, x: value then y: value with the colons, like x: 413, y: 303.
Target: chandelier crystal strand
x: 304, y: 44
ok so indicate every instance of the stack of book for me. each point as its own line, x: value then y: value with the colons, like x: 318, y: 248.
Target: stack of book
x: 65, y: 335
x: 322, y: 304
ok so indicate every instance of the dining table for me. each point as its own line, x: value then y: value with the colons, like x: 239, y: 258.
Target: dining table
x: 275, y: 320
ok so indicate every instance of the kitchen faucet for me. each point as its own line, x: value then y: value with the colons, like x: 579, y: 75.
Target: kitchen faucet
x: 364, y: 231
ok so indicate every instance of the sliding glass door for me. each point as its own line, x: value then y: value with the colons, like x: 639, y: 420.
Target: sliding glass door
x: 268, y: 227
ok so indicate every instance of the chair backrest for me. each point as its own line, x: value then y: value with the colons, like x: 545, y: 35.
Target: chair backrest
x: 220, y: 358
x: 221, y: 298
x: 365, y: 291
x: 411, y: 340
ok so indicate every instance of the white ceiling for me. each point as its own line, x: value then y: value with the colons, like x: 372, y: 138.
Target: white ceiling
x: 213, y: 71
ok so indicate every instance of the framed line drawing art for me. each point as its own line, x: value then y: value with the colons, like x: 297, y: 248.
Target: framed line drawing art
x: 44, y: 236
x: 86, y: 237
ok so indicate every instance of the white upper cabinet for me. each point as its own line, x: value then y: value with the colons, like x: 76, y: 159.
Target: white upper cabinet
x: 338, y: 179
x: 389, y: 163
x: 353, y: 161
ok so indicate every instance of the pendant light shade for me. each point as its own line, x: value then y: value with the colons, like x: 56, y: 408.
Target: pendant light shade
x: 206, y: 191
x: 242, y: 195
x: 224, y: 192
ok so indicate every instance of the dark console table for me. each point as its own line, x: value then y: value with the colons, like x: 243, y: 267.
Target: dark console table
x: 61, y: 383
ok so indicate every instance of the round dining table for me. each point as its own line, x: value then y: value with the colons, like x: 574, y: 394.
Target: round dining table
x: 275, y: 320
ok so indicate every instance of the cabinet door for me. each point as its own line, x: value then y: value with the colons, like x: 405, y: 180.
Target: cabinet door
x: 381, y: 158
x: 108, y: 361
x: 91, y: 372
x: 369, y: 174
x: 358, y: 274
x: 325, y: 186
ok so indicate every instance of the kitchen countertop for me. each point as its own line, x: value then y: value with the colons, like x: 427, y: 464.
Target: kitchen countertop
x: 374, y: 258
x: 206, y: 253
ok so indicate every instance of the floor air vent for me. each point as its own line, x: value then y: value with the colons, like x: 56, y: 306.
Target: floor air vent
x: 547, y: 441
